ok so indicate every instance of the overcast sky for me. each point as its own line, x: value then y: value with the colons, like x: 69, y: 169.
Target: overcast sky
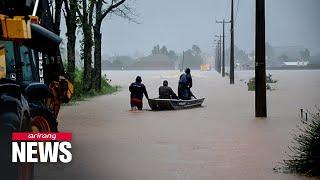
x: 180, y: 23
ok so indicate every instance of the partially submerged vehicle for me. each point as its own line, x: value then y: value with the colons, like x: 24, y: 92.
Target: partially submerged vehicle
x: 174, y: 104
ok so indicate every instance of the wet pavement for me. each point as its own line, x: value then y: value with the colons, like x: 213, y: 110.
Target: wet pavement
x: 221, y: 140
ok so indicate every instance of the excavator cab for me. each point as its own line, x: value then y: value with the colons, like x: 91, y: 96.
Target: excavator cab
x: 29, y: 61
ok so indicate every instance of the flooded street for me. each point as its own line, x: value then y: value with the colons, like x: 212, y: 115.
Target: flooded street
x: 221, y: 140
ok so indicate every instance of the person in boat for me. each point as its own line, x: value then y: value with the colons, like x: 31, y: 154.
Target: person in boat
x: 185, y: 85
x: 166, y: 92
x: 137, y: 89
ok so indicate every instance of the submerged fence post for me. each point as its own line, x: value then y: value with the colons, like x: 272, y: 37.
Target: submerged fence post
x: 301, y: 113
x: 306, y: 116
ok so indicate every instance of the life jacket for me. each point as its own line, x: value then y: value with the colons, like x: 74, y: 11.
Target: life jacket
x: 183, y: 79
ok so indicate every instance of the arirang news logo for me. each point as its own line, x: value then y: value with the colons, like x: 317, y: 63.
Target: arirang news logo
x: 41, y: 147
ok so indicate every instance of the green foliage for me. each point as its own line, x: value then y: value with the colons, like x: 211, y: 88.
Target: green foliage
x: 80, y: 94
x: 192, y: 59
x: 304, y: 154
x: 164, y: 50
x: 251, y: 85
x: 196, y: 50
x: 305, y: 55
x: 269, y: 81
x: 172, y: 55
x: 156, y: 50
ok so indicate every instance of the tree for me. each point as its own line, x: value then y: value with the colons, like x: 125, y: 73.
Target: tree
x: 240, y: 54
x: 156, y: 50
x: 70, y: 17
x: 172, y: 55
x: 196, y: 50
x: 305, y: 55
x: 112, y: 6
x: 57, y: 16
x: 86, y: 18
x: 164, y: 50
x: 192, y: 59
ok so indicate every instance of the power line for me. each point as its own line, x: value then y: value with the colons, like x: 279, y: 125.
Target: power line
x: 237, y: 12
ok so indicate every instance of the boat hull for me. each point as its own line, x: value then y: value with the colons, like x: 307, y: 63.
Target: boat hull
x: 173, y: 104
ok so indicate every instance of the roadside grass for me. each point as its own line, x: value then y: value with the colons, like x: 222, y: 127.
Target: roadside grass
x: 81, y: 95
x: 304, y: 152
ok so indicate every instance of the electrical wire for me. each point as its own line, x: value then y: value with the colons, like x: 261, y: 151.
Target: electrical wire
x: 237, y: 12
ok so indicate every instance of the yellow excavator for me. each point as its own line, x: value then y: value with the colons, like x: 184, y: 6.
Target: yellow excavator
x: 33, y: 83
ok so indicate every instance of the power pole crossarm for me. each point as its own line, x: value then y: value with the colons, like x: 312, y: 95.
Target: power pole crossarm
x: 223, y: 21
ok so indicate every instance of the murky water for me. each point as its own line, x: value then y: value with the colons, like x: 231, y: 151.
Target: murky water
x: 222, y: 140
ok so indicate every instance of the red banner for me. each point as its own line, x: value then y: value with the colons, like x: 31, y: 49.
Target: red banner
x: 41, y: 136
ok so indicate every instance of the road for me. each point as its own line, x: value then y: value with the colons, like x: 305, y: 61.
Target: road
x: 221, y: 140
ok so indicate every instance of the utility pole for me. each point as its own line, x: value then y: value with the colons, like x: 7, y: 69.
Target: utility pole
x: 232, y: 47
x: 260, y: 64
x: 216, y: 58
x: 220, y: 54
x: 223, y: 53
x: 219, y: 59
x: 223, y: 45
x: 182, y: 62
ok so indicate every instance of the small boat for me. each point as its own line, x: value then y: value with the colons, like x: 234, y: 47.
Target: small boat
x: 174, y: 104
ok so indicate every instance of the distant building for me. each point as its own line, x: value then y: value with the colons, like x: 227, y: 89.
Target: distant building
x: 154, y: 62
x: 297, y: 63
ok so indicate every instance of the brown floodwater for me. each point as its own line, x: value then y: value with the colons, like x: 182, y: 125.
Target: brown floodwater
x: 221, y: 140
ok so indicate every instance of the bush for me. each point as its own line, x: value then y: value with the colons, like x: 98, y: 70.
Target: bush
x: 304, y: 154
x: 80, y: 94
x: 269, y: 81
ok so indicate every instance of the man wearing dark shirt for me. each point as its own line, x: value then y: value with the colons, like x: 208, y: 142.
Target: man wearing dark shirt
x: 185, y: 85
x: 137, y: 90
x: 165, y: 92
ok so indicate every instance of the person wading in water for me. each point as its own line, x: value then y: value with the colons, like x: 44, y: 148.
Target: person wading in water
x: 137, y: 90
x: 185, y: 84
